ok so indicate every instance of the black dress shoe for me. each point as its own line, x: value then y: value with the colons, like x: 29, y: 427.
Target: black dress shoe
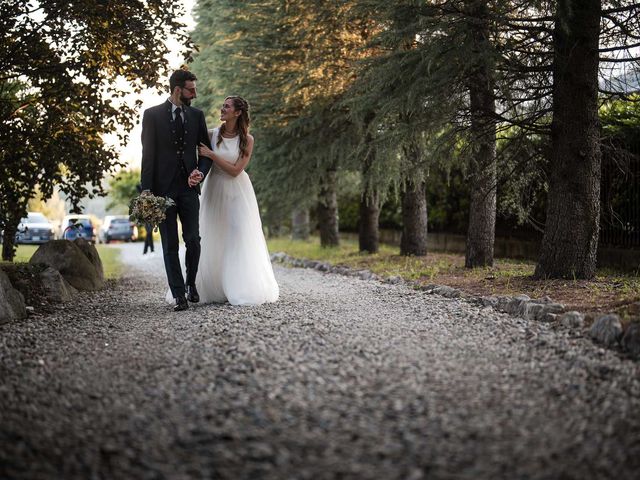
x: 181, y: 304
x: 192, y: 294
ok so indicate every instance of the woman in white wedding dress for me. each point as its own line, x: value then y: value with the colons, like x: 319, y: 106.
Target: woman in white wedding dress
x: 235, y: 264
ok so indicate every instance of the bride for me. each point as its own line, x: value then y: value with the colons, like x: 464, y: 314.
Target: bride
x: 235, y: 265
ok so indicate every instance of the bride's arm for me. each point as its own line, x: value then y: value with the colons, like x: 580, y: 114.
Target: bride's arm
x: 230, y: 168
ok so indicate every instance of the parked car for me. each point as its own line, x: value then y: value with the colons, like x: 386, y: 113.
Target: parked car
x: 78, y: 226
x: 35, y: 228
x: 117, y: 227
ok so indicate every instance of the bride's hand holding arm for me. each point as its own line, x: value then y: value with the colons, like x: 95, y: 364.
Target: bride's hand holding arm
x: 233, y: 169
x: 205, y: 151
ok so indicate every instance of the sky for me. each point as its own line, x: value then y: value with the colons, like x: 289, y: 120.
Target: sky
x: 131, y: 153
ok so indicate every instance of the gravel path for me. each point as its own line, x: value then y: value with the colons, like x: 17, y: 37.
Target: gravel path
x: 341, y: 378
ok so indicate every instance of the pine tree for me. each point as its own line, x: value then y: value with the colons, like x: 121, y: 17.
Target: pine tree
x: 570, y: 241
x: 444, y: 55
x: 292, y: 60
x: 482, y: 131
x: 569, y: 246
x: 393, y: 89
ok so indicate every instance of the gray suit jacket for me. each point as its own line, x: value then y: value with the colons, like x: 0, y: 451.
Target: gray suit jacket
x: 160, y: 149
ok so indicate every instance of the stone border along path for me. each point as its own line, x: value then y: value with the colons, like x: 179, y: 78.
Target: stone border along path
x: 342, y: 378
x: 606, y: 330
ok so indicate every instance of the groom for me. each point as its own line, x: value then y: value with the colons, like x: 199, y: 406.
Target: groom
x: 171, y: 133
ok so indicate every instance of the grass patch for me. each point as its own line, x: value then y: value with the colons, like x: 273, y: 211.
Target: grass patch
x: 24, y: 253
x: 610, y: 291
x: 110, y: 261
x: 110, y: 258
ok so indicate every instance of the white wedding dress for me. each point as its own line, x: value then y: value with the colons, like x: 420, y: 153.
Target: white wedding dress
x: 234, y: 261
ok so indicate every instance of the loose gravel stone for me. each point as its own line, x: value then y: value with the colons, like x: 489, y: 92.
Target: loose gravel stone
x: 341, y: 378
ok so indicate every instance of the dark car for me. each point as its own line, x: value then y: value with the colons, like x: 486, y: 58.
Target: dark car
x: 35, y: 228
x: 117, y: 227
x: 78, y: 226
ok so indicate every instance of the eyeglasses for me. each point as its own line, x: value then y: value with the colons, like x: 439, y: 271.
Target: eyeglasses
x: 192, y: 89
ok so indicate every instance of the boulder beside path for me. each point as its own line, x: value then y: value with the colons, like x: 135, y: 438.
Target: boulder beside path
x: 78, y: 262
x: 12, y: 306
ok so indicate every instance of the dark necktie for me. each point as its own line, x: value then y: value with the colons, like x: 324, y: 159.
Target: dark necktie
x: 179, y: 125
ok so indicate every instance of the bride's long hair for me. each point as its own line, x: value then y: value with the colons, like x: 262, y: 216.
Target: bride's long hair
x: 242, y: 123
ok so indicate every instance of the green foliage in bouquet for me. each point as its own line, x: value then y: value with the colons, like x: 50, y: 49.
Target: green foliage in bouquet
x: 148, y: 208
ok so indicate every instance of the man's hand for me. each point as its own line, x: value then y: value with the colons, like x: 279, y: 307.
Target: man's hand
x: 195, y: 178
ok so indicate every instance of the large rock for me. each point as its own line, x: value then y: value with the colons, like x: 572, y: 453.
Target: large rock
x: 544, y: 310
x: 607, y: 330
x: 55, y: 286
x: 77, y: 268
x: 631, y: 340
x: 445, y: 291
x: 92, y: 254
x: 572, y: 319
x: 12, y: 306
x: 518, y: 306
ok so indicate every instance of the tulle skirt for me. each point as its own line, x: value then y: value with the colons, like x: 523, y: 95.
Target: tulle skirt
x: 234, y: 262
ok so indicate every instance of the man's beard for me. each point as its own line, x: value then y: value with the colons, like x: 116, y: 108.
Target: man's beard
x: 185, y: 101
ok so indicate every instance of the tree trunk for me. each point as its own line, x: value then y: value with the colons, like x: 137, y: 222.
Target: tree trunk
x: 8, y: 245
x: 369, y: 214
x: 570, y: 241
x: 368, y: 231
x: 275, y: 230
x: 300, y: 224
x: 414, y: 219
x: 328, y: 211
x: 482, y: 211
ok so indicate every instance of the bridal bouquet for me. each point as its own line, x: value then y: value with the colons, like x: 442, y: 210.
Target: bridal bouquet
x: 148, y: 208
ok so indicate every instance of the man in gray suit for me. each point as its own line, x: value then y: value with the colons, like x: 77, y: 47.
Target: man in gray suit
x: 171, y: 133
